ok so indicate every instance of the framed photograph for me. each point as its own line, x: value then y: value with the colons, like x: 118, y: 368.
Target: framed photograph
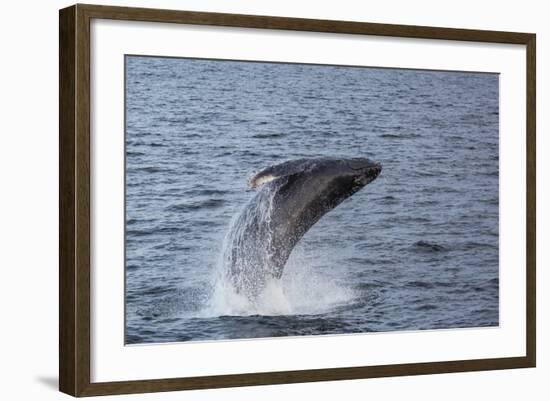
x: 250, y: 200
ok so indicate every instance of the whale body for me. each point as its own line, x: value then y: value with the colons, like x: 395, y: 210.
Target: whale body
x: 291, y: 197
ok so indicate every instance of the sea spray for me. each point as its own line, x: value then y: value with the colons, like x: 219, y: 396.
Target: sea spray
x: 243, y: 284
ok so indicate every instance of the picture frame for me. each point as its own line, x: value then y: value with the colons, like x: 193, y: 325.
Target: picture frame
x: 76, y: 169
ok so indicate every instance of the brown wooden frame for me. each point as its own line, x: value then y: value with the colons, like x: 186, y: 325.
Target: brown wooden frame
x: 74, y: 199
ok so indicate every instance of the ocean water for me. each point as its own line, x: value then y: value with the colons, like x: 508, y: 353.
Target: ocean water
x: 416, y: 249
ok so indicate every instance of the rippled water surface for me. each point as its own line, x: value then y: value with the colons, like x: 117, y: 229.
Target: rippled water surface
x: 415, y: 249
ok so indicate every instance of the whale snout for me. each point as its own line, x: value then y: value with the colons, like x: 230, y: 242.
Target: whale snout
x: 373, y: 171
x: 366, y: 167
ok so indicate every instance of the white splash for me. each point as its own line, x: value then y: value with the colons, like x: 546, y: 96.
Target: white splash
x: 303, y: 290
x: 243, y: 281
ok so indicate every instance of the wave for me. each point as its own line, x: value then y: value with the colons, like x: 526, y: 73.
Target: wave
x: 206, y: 192
x: 213, y: 203
x: 132, y: 233
x: 400, y: 136
x: 130, y: 153
x: 425, y: 246
x: 470, y: 245
x: 389, y: 200
x: 149, y: 169
x: 427, y: 285
x: 269, y: 135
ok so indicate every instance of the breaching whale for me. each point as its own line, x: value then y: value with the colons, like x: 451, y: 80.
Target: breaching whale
x: 291, y: 197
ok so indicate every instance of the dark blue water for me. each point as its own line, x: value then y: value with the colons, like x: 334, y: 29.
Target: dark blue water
x: 416, y: 249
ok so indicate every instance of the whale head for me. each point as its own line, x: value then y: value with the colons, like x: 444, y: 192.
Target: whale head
x: 339, y: 176
x: 304, y: 190
x: 350, y: 175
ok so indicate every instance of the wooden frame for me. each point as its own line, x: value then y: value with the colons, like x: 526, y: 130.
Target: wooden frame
x: 74, y: 200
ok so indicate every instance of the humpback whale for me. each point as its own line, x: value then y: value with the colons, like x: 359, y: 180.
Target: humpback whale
x: 291, y: 197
